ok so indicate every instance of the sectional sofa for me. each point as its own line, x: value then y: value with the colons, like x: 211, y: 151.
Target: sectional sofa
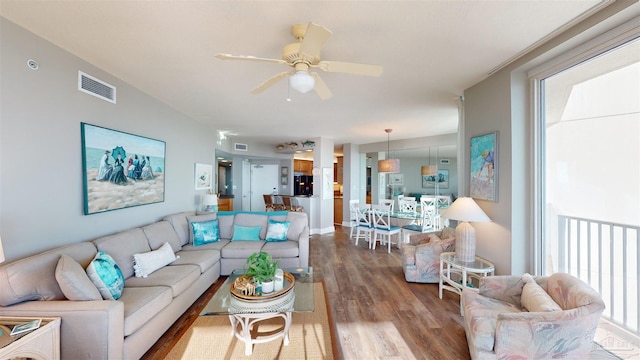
x: 151, y: 299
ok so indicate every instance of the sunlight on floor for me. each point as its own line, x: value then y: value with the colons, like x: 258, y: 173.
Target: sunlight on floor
x: 615, y: 339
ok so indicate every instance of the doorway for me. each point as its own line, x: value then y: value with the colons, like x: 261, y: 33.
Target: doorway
x: 264, y: 180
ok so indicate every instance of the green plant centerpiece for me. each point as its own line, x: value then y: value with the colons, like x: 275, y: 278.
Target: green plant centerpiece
x: 262, y: 269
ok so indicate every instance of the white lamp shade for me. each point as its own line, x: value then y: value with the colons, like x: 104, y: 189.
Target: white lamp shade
x: 465, y: 209
x: 1, y: 252
x: 389, y: 166
x: 210, y: 200
x: 302, y: 81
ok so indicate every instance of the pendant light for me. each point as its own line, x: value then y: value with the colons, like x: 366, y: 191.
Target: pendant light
x: 429, y: 170
x: 388, y: 165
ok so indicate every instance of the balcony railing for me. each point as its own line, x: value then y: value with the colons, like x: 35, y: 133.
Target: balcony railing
x: 605, y: 255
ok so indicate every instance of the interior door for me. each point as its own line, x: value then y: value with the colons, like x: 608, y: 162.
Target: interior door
x: 264, y: 180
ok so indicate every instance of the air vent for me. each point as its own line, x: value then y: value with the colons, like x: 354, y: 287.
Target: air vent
x: 96, y: 87
x: 240, y: 147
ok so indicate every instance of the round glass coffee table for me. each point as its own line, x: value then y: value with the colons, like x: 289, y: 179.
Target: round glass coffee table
x: 243, y: 315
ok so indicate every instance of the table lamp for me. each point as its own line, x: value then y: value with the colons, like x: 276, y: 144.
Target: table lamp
x: 210, y: 202
x: 464, y: 209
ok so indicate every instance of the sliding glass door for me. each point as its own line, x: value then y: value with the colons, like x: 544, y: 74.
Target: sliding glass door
x: 590, y: 135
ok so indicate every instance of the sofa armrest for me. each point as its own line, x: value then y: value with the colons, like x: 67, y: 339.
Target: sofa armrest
x: 303, y: 247
x: 546, y: 335
x: 105, y: 316
x: 421, y: 238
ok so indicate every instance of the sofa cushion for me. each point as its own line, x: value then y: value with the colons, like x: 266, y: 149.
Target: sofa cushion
x: 246, y: 233
x: 534, y: 298
x: 252, y: 220
x: 161, y: 232
x: 142, y: 304
x: 205, y: 232
x: 105, y: 274
x: 282, y: 249
x: 17, y: 280
x: 298, y: 222
x: 180, y: 225
x: 74, y: 281
x: 122, y: 246
x: 225, y: 224
x: 146, y: 263
x: 199, y: 219
x: 277, y: 230
x: 204, y: 258
x: 177, y: 277
x: 241, y: 249
x: 218, y: 245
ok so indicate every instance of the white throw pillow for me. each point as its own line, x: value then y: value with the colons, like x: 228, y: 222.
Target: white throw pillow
x: 534, y: 298
x: 146, y: 263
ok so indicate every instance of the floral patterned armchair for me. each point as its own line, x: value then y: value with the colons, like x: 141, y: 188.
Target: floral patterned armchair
x: 499, y: 326
x: 421, y: 256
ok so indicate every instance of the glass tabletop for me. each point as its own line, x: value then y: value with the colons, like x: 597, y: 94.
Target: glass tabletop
x: 478, y: 265
x: 300, y: 299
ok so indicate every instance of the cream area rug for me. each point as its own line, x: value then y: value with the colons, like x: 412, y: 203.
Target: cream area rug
x: 310, y: 337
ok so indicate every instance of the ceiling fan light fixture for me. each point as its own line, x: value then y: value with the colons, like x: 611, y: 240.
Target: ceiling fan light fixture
x: 302, y: 81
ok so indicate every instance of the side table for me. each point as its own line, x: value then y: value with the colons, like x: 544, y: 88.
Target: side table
x: 42, y: 343
x: 465, y: 271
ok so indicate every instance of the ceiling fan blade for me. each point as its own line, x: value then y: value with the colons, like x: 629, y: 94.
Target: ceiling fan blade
x: 321, y: 87
x: 260, y: 88
x: 249, y: 58
x: 350, y: 68
x: 314, y: 39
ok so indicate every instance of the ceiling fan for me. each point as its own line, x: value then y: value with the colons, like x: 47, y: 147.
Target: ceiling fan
x: 304, y: 55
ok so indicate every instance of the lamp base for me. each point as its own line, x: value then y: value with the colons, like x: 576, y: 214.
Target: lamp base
x: 465, y: 242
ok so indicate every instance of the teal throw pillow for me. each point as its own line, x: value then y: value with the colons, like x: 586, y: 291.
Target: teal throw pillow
x: 249, y: 233
x: 106, y: 276
x: 277, y: 230
x: 205, y: 232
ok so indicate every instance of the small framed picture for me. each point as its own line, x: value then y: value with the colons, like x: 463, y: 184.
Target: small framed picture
x: 203, y: 175
x: 28, y: 326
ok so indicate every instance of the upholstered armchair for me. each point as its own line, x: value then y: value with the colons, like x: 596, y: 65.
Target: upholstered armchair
x: 505, y: 320
x: 421, y: 256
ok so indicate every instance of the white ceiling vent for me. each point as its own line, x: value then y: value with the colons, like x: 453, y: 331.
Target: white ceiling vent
x: 240, y: 147
x: 96, y: 87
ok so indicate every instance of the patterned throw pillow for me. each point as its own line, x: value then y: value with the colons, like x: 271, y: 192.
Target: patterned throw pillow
x: 106, y: 276
x: 146, y: 263
x: 277, y: 230
x: 205, y: 232
x: 74, y: 282
x: 249, y: 233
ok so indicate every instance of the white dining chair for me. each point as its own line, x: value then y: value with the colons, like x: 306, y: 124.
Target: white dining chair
x: 353, y: 216
x: 383, y: 228
x: 364, y: 223
x: 388, y: 202
x: 407, y: 205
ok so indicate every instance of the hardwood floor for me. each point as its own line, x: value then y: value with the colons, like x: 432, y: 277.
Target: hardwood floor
x: 376, y: 314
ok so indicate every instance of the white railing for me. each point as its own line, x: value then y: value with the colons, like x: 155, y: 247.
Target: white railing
x: 605, y: 255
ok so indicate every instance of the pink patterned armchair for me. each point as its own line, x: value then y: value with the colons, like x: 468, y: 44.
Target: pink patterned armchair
x: 421, y: 256
x: 561, y: 323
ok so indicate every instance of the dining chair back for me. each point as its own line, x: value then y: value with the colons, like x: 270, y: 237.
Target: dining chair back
x: 388, y: 202
x: 363, y: 221
x: 382, y: 227
x: 353, y: 216
x: 407, y: 205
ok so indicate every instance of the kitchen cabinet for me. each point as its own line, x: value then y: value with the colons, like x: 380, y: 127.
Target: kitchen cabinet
x: 305, y: 167
x: 225, y: 204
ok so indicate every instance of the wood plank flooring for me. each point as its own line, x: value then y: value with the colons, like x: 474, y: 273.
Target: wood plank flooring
x: 376, y: 314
